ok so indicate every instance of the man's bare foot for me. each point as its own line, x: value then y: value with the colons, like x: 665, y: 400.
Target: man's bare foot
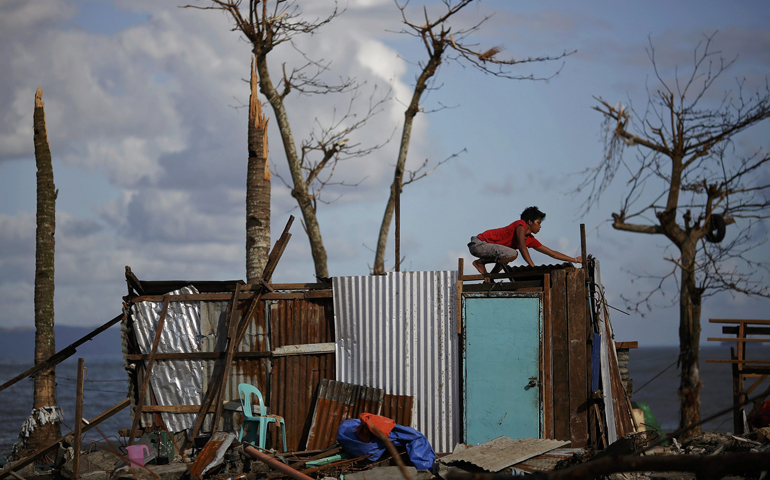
x: 480, y: 266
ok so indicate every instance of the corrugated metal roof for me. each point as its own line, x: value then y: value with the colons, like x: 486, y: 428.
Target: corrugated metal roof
x: 503, y: 452
x: 397, y: 332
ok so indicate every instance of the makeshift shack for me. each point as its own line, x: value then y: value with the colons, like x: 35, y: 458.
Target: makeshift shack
x: 531, y: 356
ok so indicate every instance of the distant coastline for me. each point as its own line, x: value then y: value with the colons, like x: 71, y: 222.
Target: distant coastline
x: 18, y: 344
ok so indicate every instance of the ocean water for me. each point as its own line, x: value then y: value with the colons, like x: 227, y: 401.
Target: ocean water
x: 106, y: 385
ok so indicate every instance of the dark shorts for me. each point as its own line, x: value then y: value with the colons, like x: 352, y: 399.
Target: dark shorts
x: 490, y: 251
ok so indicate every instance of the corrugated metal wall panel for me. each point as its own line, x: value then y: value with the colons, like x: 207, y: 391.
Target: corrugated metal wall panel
x: 397, y: 332
x: 295, y: 378
x: 339, y: 401
x: 253, y: 371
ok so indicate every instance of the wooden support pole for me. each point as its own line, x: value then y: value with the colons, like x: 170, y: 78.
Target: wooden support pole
x: 459, y: 299
x: 78, y: 420
x: 221, y: 380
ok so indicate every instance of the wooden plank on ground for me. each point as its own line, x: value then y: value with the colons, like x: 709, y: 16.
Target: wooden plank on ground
x: 560, y: 345
x: 578, y: 385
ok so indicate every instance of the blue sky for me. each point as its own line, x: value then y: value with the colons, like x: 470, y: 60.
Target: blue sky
x: 144, y: 120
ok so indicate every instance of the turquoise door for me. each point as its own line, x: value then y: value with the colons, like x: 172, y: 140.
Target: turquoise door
x: 501, y: 364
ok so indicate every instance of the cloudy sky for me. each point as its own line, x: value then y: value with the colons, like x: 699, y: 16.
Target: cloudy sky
x: 144, y: 106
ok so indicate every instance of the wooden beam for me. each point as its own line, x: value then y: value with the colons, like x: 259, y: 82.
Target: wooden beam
x: 578, y: 384
x: 305, y: 349
x: 724, y: 320
x: 560, y: 345
x: 61, y: 355
x: 459, y: 298
x: 739, y: 340
x: 756, y: 362
x: 148, y: 371
x: 78, y: 420
x: 220, y: 382
x: 619, y: 345
x: 134, y: 357
x: 175, y: 409
x: 547, y: 360
x: 42, y: 451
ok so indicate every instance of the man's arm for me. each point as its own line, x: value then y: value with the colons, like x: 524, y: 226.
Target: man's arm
x: 557, y: 255
x: 521, y: 240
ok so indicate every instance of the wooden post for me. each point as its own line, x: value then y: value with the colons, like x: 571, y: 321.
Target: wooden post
x: 78, y: 420
x: 459, y: 300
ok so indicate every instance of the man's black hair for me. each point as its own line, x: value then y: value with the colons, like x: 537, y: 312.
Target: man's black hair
x: 532, y: 214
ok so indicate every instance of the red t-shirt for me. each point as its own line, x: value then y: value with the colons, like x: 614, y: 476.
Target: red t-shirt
x: 507, y: 236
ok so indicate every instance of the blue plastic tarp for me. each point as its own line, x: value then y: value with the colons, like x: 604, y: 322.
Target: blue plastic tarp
x: 418, y: 448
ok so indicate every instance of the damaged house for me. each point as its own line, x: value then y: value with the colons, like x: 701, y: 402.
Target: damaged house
x: 532, y: 356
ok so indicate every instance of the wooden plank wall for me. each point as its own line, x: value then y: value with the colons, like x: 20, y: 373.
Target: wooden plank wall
x: 568, y: 314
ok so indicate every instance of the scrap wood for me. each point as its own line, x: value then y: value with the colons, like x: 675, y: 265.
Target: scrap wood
x: 61, y: 355
x: 339, y: 464
x: 704, y: 466
x: 273, y: 463
x: 324, y: 453
x: 214, y: 390
x: 91, y: 424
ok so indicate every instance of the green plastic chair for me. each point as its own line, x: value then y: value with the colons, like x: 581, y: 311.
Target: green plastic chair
x: 245, y: 390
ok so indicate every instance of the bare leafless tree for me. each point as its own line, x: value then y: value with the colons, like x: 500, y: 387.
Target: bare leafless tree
x: 266, y: 24
x: 441, y: 44
x: 689, y: 183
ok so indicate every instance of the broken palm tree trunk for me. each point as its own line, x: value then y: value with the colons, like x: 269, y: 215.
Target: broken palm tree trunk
x: 43, y: 423
x: 257, y: 188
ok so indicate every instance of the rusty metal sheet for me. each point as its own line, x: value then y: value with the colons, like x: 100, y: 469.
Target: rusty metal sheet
x: 547, y: 462
x: 398, y: 408
x: 339, y: 401
x: 295, y: 378
x: 503, y: 452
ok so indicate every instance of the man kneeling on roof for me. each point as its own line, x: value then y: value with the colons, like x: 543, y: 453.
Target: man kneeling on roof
x: 499, y: 245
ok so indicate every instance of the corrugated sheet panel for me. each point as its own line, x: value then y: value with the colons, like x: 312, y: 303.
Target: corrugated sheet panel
x: 339, y: 401
x: 547, y: 462
x: 173, y: 382
x: 253, y: 371
x: 295, y: 378
x: 502, y: 452
x: 397, y: 332
x: 398, y: 408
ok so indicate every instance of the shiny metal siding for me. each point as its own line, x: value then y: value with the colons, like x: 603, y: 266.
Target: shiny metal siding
x: 295, y: 378
x: 173, y: 382
x: 397, y: 332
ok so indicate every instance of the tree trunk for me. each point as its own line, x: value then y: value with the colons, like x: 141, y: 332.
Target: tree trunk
x: 257, y: 189
x: 299, y: 191
x: 44, y: 394
x: 689, y: 340
x: 398, y: 176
